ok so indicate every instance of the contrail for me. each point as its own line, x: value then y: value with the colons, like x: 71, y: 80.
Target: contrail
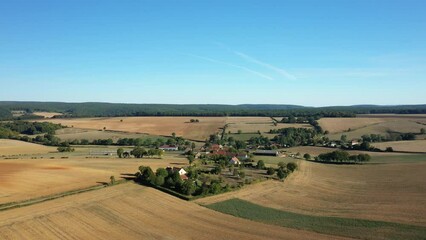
x: 233, y: 65
x: 281, y: 71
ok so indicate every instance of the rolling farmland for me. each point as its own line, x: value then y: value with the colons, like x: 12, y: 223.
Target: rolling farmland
x: 13, y: 147
x: 134, y: 212
x: 150, y: 125
x: 23, y: 179
x: 393, y: 192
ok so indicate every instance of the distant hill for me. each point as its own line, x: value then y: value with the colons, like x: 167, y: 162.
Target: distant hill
x: 93, y: 109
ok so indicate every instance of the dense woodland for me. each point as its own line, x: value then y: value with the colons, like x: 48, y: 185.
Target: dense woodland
x: 120, y: 109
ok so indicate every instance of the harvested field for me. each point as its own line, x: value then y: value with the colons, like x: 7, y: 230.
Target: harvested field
x: 132, y: 211
x: 254, y: 124
x: 69, y: 134
x: 361, y: 126
x: 23, y: 179
x: 150, y: 125
x: 315, y: 151
x: 10, y: 147
x: 47, y: 114
x: 405, y: 146
x: 394, y: 192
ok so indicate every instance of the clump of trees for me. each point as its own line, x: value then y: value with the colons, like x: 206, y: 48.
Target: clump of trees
x: 65, y: 147
x: 342, y: 157
x: 294, y: 136
x: 31, y: 128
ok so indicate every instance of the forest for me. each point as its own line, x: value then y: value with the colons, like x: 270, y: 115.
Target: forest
x: 120, y: 109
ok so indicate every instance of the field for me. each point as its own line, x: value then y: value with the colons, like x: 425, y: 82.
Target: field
x: 150, y: 125
x: 406, y: 146
x: 358, y: 228
x: 26, y: 178
x: 12, y: 147
x: 131, y: 211
x: 372, y: 125
x: 254, y: 124
x: 69, y: 134
x: 393, y: 192
x: 46, y: 114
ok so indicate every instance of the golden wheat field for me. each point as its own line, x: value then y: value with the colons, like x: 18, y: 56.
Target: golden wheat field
x: 23, y: 179
x: 47, y: 114
x: 10, y: 147
x: 151, y: 125
x: 130, y: 211
x: 254, y: 124
x: 393, y: 192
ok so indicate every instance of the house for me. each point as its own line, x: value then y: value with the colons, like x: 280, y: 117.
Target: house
x: 355, y: 142
x: 181, y: 171
x: 234, y: 161
x: 266, y: 152
x: 215, y: 147
x: 243, y: 156
x: 169, y: 148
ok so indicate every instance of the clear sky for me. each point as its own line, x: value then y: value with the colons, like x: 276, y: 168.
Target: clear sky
x: 312, y: 53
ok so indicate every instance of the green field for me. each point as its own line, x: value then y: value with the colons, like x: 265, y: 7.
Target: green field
x: 347, y: 227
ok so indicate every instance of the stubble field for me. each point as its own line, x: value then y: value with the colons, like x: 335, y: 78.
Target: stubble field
x: 393, y: 192
x: 150, y: 125
x: 131, y: 211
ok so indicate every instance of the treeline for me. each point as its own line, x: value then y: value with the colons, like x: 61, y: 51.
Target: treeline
x: 31, y: 128
x: 119, y: 109
x: 342, y: 157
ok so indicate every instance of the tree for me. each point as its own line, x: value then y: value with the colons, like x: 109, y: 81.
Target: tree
x: 281, y: 165
x: 422, y: 131
x: 260, y: 164
x: 120, y: 152
x: 343, y: 138
x: 191, y: 159
x: 188, y: 187
x: 193, y: 146
x: 112, y: 179
x: 291, y: 166
x: 138, y: 152
x: 389, y: 149
x: 270, y: 171
x: 281, y: 173
x: 307, y: 156
x: 239, y: 131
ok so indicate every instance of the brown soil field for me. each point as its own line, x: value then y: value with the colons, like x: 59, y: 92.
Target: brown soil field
x: 130, y: 211
x: 23, y: 179
x: 406, y: 146
x: 150, y: 125
x: 254, y: 124
x: 389, y: 192
x: 46, y: 114
x: 13, y: 147
x: 69, y: 134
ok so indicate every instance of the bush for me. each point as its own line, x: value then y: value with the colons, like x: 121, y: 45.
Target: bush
x: 291, y: 166
x: 270, y: 171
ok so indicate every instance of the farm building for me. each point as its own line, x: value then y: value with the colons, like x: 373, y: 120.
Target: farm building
x: 169, y: 148
x: 234, y: 161
x: 266, y: 152
x: 181, y: 172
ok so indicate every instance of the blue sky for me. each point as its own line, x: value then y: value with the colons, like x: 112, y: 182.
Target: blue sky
x: 313, y: 53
